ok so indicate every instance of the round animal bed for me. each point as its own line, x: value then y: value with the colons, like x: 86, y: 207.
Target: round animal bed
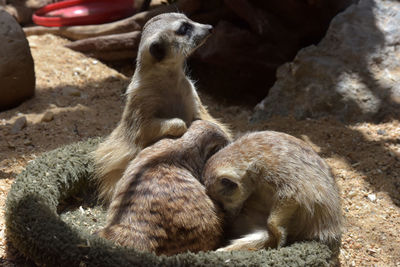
x: 52, y: 212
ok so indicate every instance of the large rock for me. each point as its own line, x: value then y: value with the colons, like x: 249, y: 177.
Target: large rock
x: 17, y: 75
x: 352, y: 74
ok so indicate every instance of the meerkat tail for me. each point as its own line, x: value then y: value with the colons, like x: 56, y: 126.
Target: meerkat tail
x: 111, y: 159
x: 253, y: 241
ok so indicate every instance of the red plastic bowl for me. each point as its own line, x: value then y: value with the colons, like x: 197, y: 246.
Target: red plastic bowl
x: 83, y: 12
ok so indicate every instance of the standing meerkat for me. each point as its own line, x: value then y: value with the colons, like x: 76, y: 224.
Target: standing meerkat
x: 276, y: 190
x: 161, y: 99
x: 159, y: 205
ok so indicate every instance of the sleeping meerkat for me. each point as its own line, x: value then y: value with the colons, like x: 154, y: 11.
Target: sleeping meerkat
x: 275, y: 190
x: 159, y: 205
x: 161, y: 100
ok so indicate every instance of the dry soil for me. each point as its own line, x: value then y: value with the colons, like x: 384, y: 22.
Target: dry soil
x: 78, y: 97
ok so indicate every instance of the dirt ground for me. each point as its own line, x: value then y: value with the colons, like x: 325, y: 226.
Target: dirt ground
x: 82, y: 97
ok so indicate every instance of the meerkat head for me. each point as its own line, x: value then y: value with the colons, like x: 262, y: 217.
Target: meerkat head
x: 171, y: 38
x: 205, y: 138
x: 227, y: 180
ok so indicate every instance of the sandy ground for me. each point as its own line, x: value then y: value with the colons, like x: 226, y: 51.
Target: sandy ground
x: 83, y: 97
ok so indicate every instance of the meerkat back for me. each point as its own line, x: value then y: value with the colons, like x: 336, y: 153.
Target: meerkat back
x: 159, y: 204
x: 276, y: 189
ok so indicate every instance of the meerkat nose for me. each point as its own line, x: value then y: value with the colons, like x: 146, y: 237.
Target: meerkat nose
x: 210, y: 28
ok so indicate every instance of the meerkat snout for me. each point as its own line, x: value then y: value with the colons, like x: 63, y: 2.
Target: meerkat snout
x: 202, y: 36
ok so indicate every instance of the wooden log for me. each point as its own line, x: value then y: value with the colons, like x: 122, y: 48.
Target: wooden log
x: 109, y: 47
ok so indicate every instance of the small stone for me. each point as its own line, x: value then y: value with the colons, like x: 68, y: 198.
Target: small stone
x: 372, y: 197
x: 95, y: 62
x: 352, y: 194
x: 27, y: 142
x: 18, y: 125
x: 78, y: 71
x: 10, y: 145
x: 60, y: 102
x: 71, y: 91
x: 381, y: 132
x: 48, y: 116
x: 84, y: 96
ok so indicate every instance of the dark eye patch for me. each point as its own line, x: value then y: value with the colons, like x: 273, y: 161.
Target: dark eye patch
x: 184, y: 29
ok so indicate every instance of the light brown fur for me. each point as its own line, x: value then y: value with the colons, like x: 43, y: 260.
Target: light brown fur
x: 159, y: 205
x: 276, y: 190
x: 161, y: 100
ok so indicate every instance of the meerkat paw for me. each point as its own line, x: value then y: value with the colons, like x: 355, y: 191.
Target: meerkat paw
x: 253, y: 241
x: 174, y: 127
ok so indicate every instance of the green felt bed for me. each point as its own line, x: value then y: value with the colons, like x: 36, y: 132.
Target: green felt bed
x: 52, y: 212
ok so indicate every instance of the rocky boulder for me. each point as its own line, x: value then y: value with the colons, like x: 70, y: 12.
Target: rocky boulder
x: 17, y: 75
x: 352, y: 74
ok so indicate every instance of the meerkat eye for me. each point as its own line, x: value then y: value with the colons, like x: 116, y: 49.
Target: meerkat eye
x: 184, y: 29
x: 228, y: 185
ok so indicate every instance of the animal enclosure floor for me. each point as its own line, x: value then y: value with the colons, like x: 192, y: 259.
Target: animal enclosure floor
x: 82, y: 97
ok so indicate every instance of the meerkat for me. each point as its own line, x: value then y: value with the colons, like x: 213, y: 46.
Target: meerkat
x: 275, y: 190
x: 159, y: 204
x: 161, y: 100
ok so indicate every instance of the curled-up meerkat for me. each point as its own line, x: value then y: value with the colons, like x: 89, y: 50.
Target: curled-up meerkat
x: 159, y: 204
x: 275, y: 190
x: 161, y: 99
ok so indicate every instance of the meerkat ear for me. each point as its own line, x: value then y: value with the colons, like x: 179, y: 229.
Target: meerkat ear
x: 158, y: 50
